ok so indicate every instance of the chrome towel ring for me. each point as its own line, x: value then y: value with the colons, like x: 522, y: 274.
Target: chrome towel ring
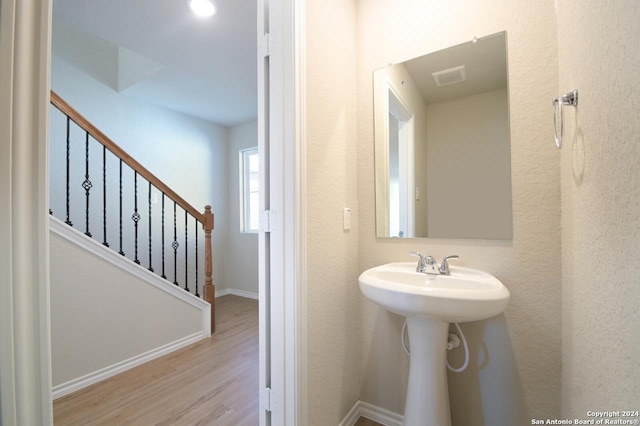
x: 568, y: 99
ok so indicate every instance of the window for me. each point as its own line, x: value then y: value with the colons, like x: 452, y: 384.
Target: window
x: 249, y: 184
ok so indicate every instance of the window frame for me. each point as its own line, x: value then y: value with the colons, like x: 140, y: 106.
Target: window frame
x: 246, y: 207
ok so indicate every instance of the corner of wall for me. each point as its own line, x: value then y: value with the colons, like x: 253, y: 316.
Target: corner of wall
x: 333, y: 319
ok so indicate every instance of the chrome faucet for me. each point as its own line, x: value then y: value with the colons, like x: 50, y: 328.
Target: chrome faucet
x: 428, y: 265
x: 444, y: 266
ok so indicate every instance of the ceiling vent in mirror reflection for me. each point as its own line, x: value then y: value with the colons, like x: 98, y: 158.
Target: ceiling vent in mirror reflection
x: 450, y: 76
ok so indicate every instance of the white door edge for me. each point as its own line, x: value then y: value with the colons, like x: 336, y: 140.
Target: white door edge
x: 283, y: 347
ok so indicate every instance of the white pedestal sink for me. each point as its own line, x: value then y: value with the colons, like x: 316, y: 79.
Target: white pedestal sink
x: 430, y: 303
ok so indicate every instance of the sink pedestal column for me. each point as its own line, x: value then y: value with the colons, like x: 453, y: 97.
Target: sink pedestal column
x: 427, y: 392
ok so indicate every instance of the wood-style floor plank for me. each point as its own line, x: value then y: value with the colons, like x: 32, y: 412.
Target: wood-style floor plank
x: 363, y: 421
x: 212, y: 382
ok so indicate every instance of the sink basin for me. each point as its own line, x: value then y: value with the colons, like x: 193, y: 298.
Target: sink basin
x: 430, y: 303
x: 465, y: 295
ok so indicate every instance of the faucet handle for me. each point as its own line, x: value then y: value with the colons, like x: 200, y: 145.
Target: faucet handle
x: 444, y: 266
x: 421, y: 261
x: 420, y: 257
x: 415, y: 253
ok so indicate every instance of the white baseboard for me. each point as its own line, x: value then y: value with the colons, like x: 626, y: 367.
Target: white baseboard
x: 235, y: 292
x: 371, y: 412
x: 104, y: 373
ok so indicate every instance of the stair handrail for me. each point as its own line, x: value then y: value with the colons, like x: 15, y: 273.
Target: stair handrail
x: 206, y: 218
x: 87, y: 126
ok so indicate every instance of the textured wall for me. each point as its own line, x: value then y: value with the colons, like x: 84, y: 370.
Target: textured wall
x: 332, y: 254
x: 599, y: 56
x: 515, y: 368
x: 242, y: 250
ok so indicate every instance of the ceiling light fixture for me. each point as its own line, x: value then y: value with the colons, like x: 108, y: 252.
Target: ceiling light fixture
x: 202, y: 8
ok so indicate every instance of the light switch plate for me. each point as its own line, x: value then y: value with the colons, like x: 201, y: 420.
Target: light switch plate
x: 346, y: 219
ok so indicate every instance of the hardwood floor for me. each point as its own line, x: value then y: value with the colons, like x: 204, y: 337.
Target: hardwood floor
x: 363, y: 421
x: 214, y: 381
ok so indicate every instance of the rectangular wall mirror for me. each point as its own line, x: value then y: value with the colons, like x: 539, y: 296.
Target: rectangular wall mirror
x: 442, y: 145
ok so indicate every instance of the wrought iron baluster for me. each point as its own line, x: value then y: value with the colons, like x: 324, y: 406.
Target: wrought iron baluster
x: 121, y: 252
x: 68, y: 221
x: 87, y: 185
x: 104, y: 196
x: 136, y: 216
x: 186, y: 252
x: 175, y: 246
x: 196, y: 232
x: 150, y: 263
x: 163, y: 273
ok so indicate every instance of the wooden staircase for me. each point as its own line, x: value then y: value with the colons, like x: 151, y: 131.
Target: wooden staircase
x: 203, y: 219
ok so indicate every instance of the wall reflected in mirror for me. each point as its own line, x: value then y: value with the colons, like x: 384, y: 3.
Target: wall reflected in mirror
x: 442, y: 145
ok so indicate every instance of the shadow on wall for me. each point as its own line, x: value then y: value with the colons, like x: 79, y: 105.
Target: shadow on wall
x: 577, y: 151
x: 352, y: 349
x: 488, y: 393
x: 382, y: 385
x: 491, y: 386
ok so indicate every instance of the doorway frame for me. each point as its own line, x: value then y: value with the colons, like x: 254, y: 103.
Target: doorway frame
x: 25, y: 350
x: 406, y: 153
x: 25, y: 49
x: 285, y: 371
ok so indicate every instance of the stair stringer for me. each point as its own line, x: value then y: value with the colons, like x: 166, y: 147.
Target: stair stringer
x: 124, y: 267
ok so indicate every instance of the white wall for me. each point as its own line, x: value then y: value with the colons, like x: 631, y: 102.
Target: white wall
x: 186, y: 153
x: 515, y: 369
x: 334, y: 301
x: 242, y: 250
x: 599, y: 56
x: 469, y: 167
x: 102, y: 315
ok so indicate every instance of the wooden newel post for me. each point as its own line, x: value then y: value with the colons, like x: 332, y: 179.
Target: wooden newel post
x: 209, y: 290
